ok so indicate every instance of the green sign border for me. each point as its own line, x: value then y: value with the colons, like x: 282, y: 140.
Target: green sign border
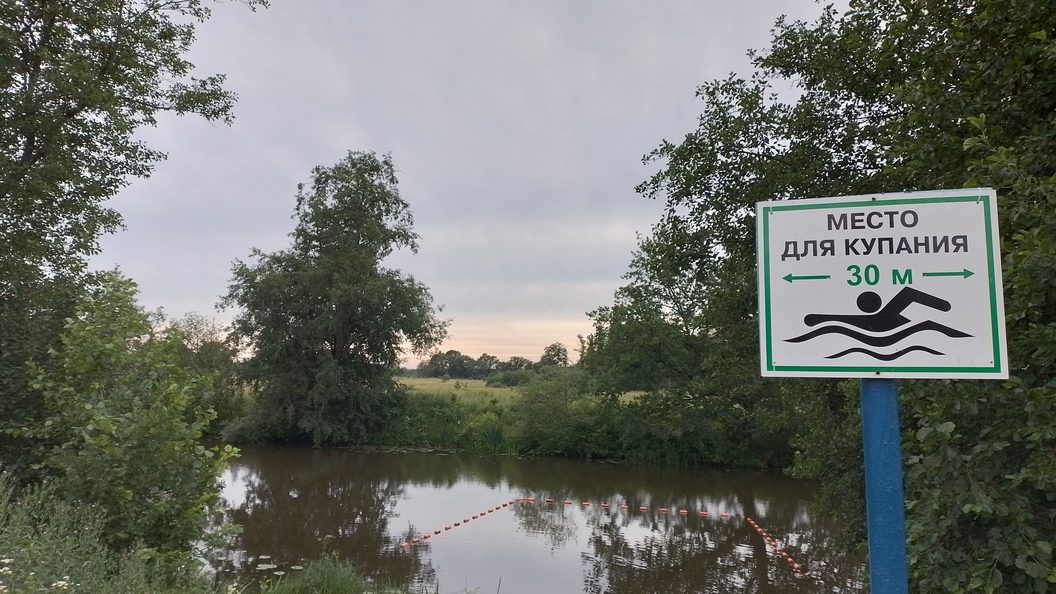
x: 994, y: 328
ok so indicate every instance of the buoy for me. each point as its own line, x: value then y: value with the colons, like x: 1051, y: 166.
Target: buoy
x: 531, y: 500
x: 703, y: 514
x: 475, y: 517
x: 605, y: 505
x: 425, y: 536
x: 643, y: 508
x: 663, y: 510
x: 586, y: 503
x: 623, y: 506
x: 683, y: 512
x: 404, y: 545
x: 568, y: 502
x: 414, y: 541
x: 448, y: 527
x: 505, y: 504
x: 435, y: 532
x: 549, y: 500
x: 797, y: 566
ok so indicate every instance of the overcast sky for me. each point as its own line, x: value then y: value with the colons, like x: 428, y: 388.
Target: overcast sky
x: 517, y: 128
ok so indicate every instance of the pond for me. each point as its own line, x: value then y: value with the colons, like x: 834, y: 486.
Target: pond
x: 534, y: 525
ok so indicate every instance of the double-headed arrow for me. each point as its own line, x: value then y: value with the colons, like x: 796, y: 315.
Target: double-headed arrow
x: 965, y: 273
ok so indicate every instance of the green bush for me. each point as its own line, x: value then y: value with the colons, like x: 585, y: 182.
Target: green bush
x: 510, y: 379
x: 49, y: 544
x: 557, y: 415
x: 123, y: 425
x: 424, y: 420
x: 473, y: 421
x: 485, y: 432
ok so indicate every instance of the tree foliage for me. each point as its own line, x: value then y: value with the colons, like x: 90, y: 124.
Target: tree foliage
x: 554, y: 355
x: 123, y: 424
x: 203, y: 349
x: 451, y: 364
x: 77, y: 83
x: 635, y: 347
x: 325, y: 320
x: 890, y: 96
x: 77, y: 80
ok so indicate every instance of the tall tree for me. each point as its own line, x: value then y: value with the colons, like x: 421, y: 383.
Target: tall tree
x: 325, y: 320
x: 77, y: 80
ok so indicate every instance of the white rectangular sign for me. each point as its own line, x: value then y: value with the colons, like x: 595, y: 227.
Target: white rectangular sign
x: 885, y: 285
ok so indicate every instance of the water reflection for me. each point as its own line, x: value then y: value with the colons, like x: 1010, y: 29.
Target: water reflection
x: 296, y: 505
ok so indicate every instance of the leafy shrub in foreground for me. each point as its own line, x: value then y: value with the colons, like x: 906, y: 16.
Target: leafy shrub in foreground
x: 123, y: 425
x: 48, y: 544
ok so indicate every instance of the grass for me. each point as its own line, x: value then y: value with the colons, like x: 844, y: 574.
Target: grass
x: 465, y: 391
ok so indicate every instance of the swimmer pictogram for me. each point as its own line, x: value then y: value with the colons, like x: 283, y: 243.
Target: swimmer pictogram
x: 885, y: 324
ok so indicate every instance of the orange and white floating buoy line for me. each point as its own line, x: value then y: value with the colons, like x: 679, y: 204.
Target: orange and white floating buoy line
x: 606, y: 506
x: 415, y: 540
x: 777, y: 547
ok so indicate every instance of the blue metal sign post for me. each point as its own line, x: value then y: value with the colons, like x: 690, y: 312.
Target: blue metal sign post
x: 884, y: 505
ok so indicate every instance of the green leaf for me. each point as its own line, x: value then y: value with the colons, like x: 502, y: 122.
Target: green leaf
x: 946, y: 428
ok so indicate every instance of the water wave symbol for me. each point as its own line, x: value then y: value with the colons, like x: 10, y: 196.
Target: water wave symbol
x: 882, y: 340
x: 885, y: 356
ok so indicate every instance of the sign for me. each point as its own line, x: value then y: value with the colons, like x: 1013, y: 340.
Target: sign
x: 887, y: 285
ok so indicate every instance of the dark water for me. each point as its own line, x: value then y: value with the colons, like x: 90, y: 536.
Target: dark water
x: 296, y: 505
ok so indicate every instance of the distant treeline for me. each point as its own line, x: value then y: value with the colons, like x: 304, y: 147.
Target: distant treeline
x: 453, y: 364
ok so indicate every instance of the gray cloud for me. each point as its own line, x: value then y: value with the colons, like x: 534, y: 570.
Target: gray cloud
x: 518, y: 129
